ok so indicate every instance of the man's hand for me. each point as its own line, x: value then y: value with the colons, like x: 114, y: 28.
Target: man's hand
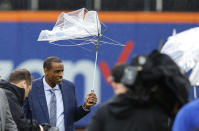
x: 91, y: 99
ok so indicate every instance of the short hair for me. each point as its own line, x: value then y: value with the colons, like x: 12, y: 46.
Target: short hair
x: 49, y: 60
x: 19, y: 75
x: 117, y: 72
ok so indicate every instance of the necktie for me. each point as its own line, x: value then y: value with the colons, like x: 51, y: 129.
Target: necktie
x: 53, y: 108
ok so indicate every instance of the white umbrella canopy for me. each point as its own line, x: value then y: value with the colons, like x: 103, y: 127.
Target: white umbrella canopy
x: 183, y: 48
x: 76, y: 24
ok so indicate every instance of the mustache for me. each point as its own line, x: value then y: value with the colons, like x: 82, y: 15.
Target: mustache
x: 60, y: 77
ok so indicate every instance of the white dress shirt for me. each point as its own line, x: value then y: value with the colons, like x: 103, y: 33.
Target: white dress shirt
x: 60, y: 106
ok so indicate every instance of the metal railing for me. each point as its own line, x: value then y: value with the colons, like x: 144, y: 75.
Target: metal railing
x: 108, y: 5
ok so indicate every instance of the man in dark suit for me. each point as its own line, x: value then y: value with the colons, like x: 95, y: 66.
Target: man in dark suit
x: 52, y: 98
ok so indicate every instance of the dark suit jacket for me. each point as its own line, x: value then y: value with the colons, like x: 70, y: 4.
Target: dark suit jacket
x: 37, y: 103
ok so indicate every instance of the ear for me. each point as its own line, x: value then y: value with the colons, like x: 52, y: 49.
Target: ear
x: 45, y: 70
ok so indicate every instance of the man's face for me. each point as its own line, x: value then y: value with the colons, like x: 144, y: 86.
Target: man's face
x: 54, y: 75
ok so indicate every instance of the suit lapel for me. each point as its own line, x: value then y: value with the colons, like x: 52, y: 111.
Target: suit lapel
x: 42, y: 100
x: 66, y: 97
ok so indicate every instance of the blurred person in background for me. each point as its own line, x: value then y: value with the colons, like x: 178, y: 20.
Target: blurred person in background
x: 16, y: 89
x: 53, y: 100
x: 6, y: 121
x: 154, y: 89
